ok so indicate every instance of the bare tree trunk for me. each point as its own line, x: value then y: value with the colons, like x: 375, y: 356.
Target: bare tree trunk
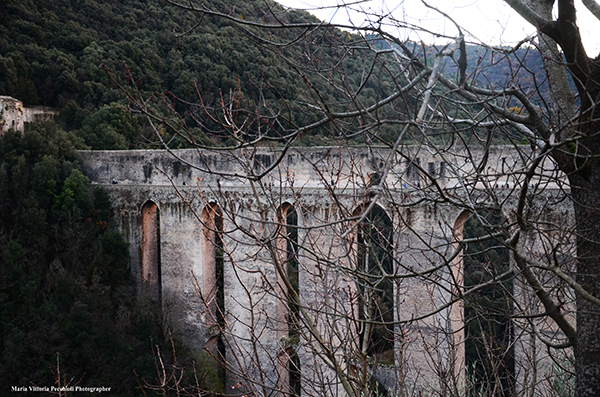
x: 586, y: 198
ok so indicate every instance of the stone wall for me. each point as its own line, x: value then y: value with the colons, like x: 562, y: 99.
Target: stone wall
x: 326, y: 186
x: 11, y: 114
x: 14, y: 115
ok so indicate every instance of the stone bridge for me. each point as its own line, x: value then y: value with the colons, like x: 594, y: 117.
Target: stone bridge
x: 210, y: 235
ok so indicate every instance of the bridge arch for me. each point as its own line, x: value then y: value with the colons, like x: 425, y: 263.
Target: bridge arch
x: 213, y: 292
x: 490, y: 335
x: 213, y: 287
x: 150, y: 251
x: 374, y: 258
x: 287, y: 246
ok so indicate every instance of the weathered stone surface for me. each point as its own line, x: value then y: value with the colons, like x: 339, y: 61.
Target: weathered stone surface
x: 325, y: 186
x: 14, y: 115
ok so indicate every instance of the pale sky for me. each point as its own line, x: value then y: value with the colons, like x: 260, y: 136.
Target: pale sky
x: 490, y: 21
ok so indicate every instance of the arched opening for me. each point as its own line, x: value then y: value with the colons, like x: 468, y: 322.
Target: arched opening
x: 213, y: 263
x: 150, y: 251
x: 373, y: 179
x: 374, y: 243
x: 294, y: 372
x: 288, y: 311
x: 290, y: 262
x: 213, y: 294
x: 489, y: 350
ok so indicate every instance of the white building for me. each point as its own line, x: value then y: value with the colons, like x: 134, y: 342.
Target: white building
x: 11, y: 114
x: 14, y: 115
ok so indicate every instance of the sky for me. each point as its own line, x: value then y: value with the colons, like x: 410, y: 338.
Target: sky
x: 489, y: 21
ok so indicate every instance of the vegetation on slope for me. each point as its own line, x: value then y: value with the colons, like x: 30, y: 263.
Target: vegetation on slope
x: 54, y: 52
x: 64, y: 277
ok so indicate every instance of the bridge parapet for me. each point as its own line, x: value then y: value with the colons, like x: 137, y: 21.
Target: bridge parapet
x: 351, y: 167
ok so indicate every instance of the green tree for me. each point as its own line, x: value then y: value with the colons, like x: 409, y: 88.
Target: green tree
x: 64, y: 276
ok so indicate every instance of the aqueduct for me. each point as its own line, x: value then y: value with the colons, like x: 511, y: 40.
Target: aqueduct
x: 229, y: 240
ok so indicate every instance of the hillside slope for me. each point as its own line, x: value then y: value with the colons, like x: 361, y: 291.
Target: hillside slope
x: 53, y: 53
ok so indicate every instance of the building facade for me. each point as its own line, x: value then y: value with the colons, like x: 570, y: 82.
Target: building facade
x: 13, y: 115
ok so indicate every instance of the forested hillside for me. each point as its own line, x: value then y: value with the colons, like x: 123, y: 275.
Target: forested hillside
x: 66, y: 298
x: 52, y: 53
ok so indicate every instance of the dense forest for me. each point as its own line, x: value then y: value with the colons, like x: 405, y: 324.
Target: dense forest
x: 66, y: 298
x: 57, y: 53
